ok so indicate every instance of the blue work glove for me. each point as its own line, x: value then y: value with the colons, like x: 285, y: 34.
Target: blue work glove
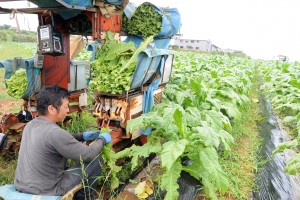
x: 90, y: 135
x: 106, y: 136
x: 147, y: 131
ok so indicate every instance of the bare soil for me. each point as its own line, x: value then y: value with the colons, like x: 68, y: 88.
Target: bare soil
x: 9, y: 106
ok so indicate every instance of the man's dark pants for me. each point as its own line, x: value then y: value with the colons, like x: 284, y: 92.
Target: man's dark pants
x: 75, y: 175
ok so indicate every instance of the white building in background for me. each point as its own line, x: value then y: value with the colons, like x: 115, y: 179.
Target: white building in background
x: 197, y: 45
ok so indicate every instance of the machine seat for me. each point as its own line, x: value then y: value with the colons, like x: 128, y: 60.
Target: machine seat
x: 9, y: 192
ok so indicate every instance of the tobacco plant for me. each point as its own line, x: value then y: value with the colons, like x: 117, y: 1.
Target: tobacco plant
x: 282, y: 86
x: 194, y: 121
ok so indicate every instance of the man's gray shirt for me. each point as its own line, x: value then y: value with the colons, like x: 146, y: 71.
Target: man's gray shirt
x: 43, y: 152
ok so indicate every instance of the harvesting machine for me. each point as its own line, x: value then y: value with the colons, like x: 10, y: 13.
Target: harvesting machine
x: 52, y: 64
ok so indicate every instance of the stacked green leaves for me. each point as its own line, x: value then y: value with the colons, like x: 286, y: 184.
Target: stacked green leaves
x: 84, y: 55
x: 114, y: 65
x: 17, y: 84
x: 145, y: 21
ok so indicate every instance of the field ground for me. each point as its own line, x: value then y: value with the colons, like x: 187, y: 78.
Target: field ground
x: 27, y: 50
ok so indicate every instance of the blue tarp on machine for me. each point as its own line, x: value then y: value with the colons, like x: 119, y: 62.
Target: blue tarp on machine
x: 65, y: 13
x: 32, y: 73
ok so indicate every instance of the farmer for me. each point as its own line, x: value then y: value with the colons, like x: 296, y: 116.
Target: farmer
x: 45, y: 147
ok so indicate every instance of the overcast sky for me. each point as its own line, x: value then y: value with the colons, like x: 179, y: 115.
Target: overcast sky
x: 260, y: 28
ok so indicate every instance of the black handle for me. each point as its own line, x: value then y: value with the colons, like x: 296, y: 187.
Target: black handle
x: 45, y: 15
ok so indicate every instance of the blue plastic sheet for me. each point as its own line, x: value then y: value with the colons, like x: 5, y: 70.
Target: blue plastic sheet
x: 162, y: 43
x: 171, y: 22
x: 115, y: 2
x: 33, y: 77
x: 65, y: 13
x: 148, y: 96
x: 129, y: 10
x: 51, y: 3
x: 93, y: 48
x: 149, y: 62
x: 87, y: 3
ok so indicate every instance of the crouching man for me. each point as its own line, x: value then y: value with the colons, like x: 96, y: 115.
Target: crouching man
x: 45, y: 147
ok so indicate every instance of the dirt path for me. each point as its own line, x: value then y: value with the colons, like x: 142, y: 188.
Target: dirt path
x: 9, y: 106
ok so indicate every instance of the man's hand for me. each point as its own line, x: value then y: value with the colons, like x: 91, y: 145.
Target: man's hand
x: 90, y: 135
x: 106, y: 136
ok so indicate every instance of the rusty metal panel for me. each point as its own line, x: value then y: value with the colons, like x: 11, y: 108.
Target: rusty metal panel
x: 135, y: 106
x: 56, y: 69
x: 101, y: 23
x: 114, y: 111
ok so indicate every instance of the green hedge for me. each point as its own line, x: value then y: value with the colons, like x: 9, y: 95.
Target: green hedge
x: 22, y: 36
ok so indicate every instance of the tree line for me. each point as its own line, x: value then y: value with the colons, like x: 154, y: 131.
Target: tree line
x: 10, y: 34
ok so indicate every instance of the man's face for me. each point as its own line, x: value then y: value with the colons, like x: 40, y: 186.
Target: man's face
x: 63, y: 111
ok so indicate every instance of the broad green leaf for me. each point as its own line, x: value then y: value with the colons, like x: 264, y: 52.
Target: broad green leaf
x: 286, y: 145
x: 171, y: 151
x: 206, y: 135
x: 110, y: 159
x: 214, y: 118
x: 293, y: 166
x: 180, y: 121
x: 195, y: 86
x: 288, y: 120
x: 227, y: 141
x: 142, y: 151
x: 169, y: 181
x: 206, y: 165
x: 209, y: 189
x: 295, y: 83
x: 231, y: 110
x: 193, y: 116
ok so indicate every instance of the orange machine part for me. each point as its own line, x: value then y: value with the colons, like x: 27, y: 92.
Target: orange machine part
x: 101, y: 23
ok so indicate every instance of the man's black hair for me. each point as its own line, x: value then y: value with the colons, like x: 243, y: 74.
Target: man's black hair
x: 51, y: 95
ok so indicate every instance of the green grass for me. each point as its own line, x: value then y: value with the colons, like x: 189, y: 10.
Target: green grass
x: 7, y: 171
x: 241, y: 166
x: 24, y: 50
